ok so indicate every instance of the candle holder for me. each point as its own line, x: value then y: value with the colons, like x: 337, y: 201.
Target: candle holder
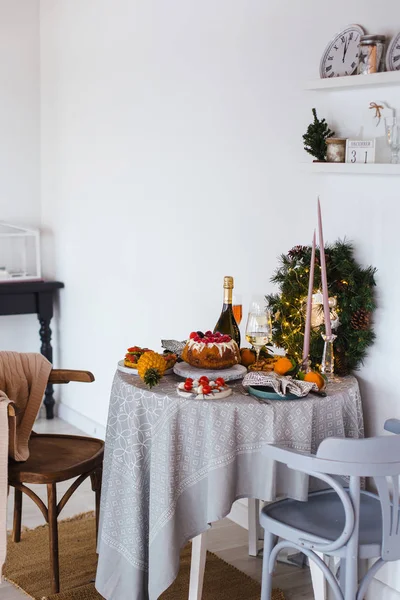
x: 328, y: 357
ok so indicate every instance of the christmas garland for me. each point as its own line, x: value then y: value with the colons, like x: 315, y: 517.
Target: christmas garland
x: 353, y: 288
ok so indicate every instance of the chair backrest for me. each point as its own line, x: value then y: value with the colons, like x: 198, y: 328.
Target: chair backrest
x: 378, y: 458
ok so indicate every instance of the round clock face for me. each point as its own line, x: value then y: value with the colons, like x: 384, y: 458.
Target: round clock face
x: 341, y: 55
x: 393, y: 54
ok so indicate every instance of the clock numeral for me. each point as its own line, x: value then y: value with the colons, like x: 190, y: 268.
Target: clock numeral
x: 397, y: 46
x: 328, y: 68
x: 396, y: 58
x: 353, y: 64
x: 343, y: 39
x: 351, y: 35
x: 356, y: 38
x: 332, y: 74
x: 357, y: 55
x: 330, y: 57
x: 336, y: 48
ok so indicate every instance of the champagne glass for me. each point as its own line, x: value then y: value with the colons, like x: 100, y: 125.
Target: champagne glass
x: 259, y: 327
x: 393, y: 137
x: 237, y: 308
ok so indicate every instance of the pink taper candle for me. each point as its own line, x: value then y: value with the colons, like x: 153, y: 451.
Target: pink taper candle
x: 307, y: 330
x: 325, y: 294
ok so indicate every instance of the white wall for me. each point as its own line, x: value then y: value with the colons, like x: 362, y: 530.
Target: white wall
x: 19, y: 147
x: 171, y: 145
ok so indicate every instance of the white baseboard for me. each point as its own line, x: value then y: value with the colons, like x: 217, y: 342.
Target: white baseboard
x: 78, y: 420
x: 378, y: 590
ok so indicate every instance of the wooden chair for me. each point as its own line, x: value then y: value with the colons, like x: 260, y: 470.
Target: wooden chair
x: 55, y: 458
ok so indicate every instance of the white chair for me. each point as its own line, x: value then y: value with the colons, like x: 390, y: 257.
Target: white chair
x: 343, y: 522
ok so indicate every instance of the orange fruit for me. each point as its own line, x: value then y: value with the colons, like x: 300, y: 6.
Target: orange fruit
x: 248, y: 357
x: 315, y: 377
x: 283, y: 365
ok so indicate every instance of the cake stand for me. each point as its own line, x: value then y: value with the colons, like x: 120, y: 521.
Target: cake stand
x: 185, y: 370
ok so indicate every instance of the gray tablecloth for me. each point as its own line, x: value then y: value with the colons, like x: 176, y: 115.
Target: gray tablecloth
x: 173, y: 465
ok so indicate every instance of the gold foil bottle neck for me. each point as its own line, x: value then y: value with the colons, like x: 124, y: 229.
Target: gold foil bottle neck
x: 228, y: 283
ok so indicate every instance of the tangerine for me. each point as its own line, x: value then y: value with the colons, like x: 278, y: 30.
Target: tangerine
x: 283, y: 365
x: 315, y: 377
x: 248, y: 357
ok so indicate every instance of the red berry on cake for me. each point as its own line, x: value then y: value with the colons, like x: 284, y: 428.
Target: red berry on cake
x: 193, y: 335
x: 203, y: 380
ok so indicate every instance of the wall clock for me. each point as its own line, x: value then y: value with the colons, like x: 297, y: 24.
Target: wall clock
x: 341, y: 54
x: 393, y: 54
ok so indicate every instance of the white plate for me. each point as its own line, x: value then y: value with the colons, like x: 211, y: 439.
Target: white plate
x: 218, y: 396
x: 185, y: 370
x: 121, y: 367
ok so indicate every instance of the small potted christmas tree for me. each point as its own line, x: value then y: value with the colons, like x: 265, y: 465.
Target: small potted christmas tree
x: 315, y: 138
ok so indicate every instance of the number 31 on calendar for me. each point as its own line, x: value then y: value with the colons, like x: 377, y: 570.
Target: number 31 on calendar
x: 360, y: 151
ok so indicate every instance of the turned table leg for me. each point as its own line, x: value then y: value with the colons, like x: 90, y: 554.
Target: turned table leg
x: 47, y: 351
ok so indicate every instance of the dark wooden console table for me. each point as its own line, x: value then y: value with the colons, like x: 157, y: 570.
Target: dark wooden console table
x: 34, y: 297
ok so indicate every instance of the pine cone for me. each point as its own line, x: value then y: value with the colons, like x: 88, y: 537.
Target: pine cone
x: 361, y: 319
x: 297, y: 252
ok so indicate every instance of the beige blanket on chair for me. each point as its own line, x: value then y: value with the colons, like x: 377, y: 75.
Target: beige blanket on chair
x: 23, y: 380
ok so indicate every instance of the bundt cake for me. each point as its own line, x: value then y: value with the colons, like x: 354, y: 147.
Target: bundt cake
x: 211, y: 351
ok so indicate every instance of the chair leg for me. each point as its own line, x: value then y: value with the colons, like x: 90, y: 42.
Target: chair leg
x: 53, y: 538
x: 266, y: 586
x: 17, y: 515
x: 197, y: 567
x: 351, y: 579
x: 254, y: 525
x: 96, y: 478
x: 342, y: 574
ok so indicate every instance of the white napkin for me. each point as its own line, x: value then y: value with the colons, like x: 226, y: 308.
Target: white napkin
x: 173, y: 346
x: 281, y: 385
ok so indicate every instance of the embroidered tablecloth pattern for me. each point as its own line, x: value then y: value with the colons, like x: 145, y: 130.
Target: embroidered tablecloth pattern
x: 164, y: 453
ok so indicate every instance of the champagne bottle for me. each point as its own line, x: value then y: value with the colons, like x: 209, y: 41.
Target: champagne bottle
x: 226, y: 323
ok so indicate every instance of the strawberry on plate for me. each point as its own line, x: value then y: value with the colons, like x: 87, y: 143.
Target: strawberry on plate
x: 132, y: 356
x: 204, y: 389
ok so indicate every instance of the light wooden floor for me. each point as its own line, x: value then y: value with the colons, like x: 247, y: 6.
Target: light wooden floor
x: 225, y: 538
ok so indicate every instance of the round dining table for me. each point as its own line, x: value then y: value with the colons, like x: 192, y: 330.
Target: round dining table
x: 174, y: 465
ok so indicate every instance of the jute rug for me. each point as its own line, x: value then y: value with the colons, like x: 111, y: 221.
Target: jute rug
x: 27, y: 567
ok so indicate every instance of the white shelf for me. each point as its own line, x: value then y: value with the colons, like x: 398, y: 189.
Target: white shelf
x: 352, y: 169
x: 355, y: 81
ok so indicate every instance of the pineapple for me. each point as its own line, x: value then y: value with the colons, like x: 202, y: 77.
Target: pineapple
x: 151, y: 367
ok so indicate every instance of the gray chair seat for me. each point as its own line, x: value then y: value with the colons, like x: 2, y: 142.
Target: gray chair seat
x: 322, y: 519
